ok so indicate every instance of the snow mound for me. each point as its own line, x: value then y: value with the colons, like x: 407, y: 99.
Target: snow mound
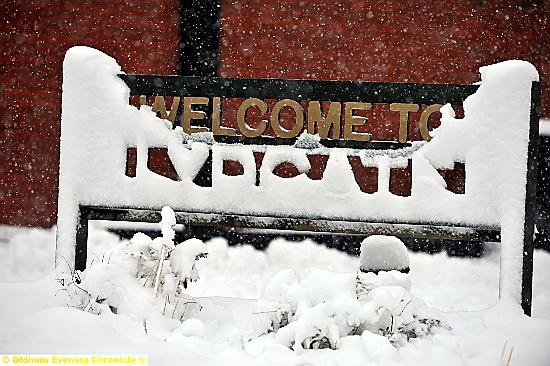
x: 383, y: 253
x: 191, y: 327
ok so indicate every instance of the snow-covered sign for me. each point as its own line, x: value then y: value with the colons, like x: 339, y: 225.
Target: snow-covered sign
x: 496, y: 140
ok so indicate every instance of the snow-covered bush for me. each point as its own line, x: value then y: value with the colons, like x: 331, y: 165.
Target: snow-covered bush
x: 317, y: 308
x: 140, y: 275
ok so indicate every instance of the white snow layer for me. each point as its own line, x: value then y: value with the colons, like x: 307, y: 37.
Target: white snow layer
x: 380, y: 252
x: 98, y: 124
x: 183, y: 257
x: 167, y: 226
x: 35, y: 320
x: 544, y: 127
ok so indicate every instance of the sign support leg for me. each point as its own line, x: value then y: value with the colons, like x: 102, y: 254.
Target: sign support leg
x: 81, y: 248
x: 530, y: 202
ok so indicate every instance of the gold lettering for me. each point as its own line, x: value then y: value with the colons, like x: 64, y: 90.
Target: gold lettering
x: 245, y: 129
x: 276, y: 114
x: 424, y: 117
x: 315, y: 117
x: 404, y: 109
x: 190, y: 114
x: 217, y: 128
x: 159, y: 106
x: 350, y: 120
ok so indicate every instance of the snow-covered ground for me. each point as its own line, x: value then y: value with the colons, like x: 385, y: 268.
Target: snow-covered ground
x: 35, y: 318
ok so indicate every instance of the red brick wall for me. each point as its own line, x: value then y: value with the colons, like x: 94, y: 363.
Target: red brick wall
x: 401, y: 41
x: 415, y: 41
x: 34, y: 36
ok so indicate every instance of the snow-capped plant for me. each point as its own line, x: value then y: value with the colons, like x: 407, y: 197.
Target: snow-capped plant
x: 138, y: 275
x: 318, y: 308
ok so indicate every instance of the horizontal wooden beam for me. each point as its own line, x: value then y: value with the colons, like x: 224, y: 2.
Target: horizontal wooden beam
x: 322, y: 90
x: 302, y: 224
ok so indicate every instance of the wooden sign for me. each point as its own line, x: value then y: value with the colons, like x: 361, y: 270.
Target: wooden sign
x: 260, y: 112
x: 337, y: 111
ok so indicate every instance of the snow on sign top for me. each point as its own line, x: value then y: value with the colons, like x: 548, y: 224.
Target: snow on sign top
x: 98, y: 125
